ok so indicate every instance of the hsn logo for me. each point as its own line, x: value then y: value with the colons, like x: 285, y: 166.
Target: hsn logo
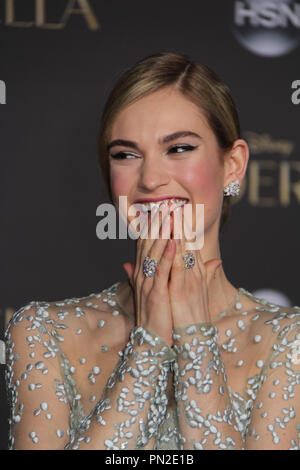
x: 267, y: 28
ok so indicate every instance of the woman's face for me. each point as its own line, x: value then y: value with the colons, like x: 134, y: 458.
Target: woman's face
x: 147, y: 167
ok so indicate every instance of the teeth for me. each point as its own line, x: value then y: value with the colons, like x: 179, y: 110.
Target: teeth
x: 146, y: 207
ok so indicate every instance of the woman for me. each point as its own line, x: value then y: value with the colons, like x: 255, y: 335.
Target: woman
x: 176, y: 357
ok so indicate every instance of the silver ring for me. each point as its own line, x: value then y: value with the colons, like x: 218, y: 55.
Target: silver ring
x: 189, y: 260
x: 149, y: 266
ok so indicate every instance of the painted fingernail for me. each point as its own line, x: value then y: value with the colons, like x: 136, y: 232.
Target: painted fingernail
x: 165, y: 206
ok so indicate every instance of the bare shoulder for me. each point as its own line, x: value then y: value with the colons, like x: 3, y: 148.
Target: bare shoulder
x: 274, y: 332
x: 282, y: 327
x: 79, y: 340
x: 72, y: 324
x: 251, y: 334
x: 276, y: 320
x: 271, y: 318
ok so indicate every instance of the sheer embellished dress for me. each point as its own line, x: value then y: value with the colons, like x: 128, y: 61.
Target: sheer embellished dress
x: 81, y: 375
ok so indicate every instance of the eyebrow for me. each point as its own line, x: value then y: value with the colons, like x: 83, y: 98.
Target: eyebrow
x: 163, y: 140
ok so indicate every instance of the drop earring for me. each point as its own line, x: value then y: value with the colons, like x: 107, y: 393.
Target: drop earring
x: 232, y: 189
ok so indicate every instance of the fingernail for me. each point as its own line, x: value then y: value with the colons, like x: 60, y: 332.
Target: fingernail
x: 164, y: 205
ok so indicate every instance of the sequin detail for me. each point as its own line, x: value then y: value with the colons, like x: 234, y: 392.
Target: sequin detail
x: 68, y: 391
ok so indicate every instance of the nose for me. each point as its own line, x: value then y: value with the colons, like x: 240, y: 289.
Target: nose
x: 152, y: 175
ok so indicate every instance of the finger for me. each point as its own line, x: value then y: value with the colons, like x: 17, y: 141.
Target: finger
x: 145, y: 235
x: 162, y: 216
x: 161, y: 277
x: 142, y: 246
x: 145, y: 248
x: 154, y: 251
x: 177, y: 270
x: 183, y: 240
x: 160, y: 242
x: 199, y: 267
x: 158, y: 217
x: 177, y: 232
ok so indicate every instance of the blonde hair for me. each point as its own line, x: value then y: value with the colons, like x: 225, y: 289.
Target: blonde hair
x: 197, y: 82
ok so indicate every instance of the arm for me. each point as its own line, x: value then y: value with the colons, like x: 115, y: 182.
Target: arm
x: 275, y: 416
x: 205, y: 415
x: 40, y: 413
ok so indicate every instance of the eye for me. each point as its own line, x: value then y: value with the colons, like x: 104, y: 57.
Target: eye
x: 123, y: 156
x: 174, y: 149
x: 181, y: 148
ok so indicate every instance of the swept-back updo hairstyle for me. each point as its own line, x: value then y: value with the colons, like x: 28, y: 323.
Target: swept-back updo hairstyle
x: 197, y: 82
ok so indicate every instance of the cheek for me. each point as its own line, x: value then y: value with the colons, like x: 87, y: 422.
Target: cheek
x: 203, y: 184
x: 201, y: 179
x: 119, y: 183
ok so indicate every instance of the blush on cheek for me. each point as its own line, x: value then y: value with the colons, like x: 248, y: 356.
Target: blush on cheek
x: 119, y: 185
x: 204, y: 188
x: 202, y: 184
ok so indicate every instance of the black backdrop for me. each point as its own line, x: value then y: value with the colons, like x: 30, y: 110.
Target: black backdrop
x: 56, y: 68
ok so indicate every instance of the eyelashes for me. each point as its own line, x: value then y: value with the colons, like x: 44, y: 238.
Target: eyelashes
x: 173, y: 149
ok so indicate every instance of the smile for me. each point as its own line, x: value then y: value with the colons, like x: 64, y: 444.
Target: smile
x: 172, y: 203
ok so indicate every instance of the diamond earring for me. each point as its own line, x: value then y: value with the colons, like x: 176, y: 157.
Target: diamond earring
x: 232, y: 189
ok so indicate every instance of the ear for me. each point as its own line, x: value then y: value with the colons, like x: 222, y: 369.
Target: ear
x: 235, y: 162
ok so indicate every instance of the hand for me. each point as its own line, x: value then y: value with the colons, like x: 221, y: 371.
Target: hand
x: 188, y: 288
x: 152, y: 303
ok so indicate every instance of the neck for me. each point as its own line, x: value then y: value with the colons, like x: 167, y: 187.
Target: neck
x: 221, y: 292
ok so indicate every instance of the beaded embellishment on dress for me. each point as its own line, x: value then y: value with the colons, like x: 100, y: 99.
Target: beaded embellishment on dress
x: 67, y: 392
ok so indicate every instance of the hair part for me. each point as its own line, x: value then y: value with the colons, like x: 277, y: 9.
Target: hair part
x: 197, y: 82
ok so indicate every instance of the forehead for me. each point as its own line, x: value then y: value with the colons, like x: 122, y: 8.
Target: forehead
x: 161, y: 112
